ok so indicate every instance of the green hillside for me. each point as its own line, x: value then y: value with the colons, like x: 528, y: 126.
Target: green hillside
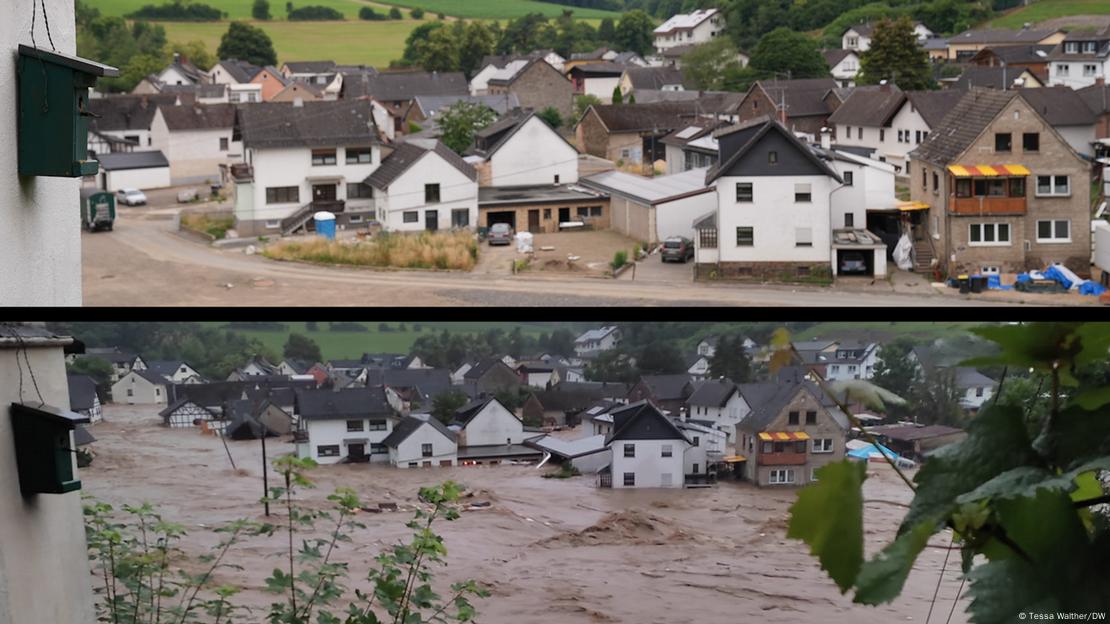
x: 1051, y: 9
x: 499, y: 9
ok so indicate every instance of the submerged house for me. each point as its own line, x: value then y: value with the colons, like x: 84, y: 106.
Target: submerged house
x: 422, y: 441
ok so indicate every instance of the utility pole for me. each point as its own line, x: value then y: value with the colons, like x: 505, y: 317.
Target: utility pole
x: 265, y: 474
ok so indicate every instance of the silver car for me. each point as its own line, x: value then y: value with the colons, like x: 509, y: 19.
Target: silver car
x: 131, y: 197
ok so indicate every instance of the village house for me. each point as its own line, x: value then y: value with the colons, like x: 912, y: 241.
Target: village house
x: 596, y: 341
x: 247, y: 419
x: 415, y: 387
x: 708, y: 346
x: 843, y: 65
x: 916, y: 441
x: 185, y: 412
x: 257, y: 366
x: 297, y: 90
x: 490, y: 376
x: 399, y: 88
x: 214, y: 395
x: 270, y: 81
x: 293, y: 366
x: 344, y: 425
x: 422, y: 441
x: 522, y: 150
x: 802, y: 105
x: 83, y: 398
x: 697, y: 366
x: 127, y: 118
x: 858, y: 37
x: 596, y: 79
x: 701, y: 26
x: 789, y: 434
x: 177, y: 371
x: 425, y: 110
x: 666, y: 78
x: 237, y: 77
x: 1081, y: 59
x: 140, y: 386
x: 840, y: 360
x: 182, y: 72
x: 303, y: 159
x: 977, y: 388
x: 1097, y: 97
x: 967, y: 44
x: 489, y: 433
x: 148, y: 169
x: 692, y: 146
x: 536, y: 84
x: 985, y: 218
x: 648, y: 450
x: 1000, y: 77
x: 1031, y: 57
x: 321, y: 76
x: 122, y: 362
x: 667, y: 392
x: 419, y: 188
x: 562, y: 403
x: 491, y: 64
x: 196, y: 140
x: 654, y: 209
x: 718, y: 402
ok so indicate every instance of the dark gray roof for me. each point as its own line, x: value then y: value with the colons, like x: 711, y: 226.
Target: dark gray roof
x: 1097, y: 98
x: 538, y: 194
x: 962, y: 125
x: 128, y: 112
x: 657, y: 116
x: 429, y: 381
x: 803, y: 97
x: 186, y: 67
x: 654, y: 77
x: 969, y: 378
x: 1002, y: 36
x: 869, y: 107
x: 835, y: 55
x: 341, y: 404
x: 467, y: 412
x: 120, y: 161
x: 604, y: 68
x: 1011, y: 54
x: 766, y: 400
x: 727, y: 161
x: 216, y: 393
x: 406, y: 155
x: 400, y: 86
x: 627, y: 425
x: 152, y: 377
x: 165, y: 368
x: 667, y: 387
x: 310, y: 67
x: 712, y: 393
x: 1060, y: 106
x: 82, y: 392
x: 429, y: 105
x: 316, y: 123
x: 241, y: 71
x: 934, y: 105
x: 409, y: 425
x: 990, y: 77
x: 199, y: 116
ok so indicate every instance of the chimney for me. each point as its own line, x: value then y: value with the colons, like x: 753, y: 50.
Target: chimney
x: 1100, y: 81
x: 826, y: 138
x: 884, y: 86
x: 176, y: 58
x: 298, y: 102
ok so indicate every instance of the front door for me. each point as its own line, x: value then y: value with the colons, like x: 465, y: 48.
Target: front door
x: 534, y: 221
x: 356, y: 451
x: 431, y: 220
x: 564, y: 215
x: 323, y: 192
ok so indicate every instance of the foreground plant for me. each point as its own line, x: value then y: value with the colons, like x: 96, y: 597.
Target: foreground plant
x: 1025, y: 495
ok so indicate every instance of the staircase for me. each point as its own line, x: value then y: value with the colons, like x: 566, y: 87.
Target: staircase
x: 922, y: 256
x: 298, y: 219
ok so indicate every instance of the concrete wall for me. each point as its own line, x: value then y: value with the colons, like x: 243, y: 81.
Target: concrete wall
x: 44, y: 574
x: 534, y: 155
x: 632, y: 219
x: 292, y: 167
x: 40, y: 243
x: 406, y: 193
x: 676, y: 218
x: 153, y: 178
x: 494, y: 425
x: 649, y: 465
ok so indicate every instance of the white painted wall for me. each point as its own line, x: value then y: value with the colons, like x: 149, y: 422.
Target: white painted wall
x: 726, y: 418
x: 219, y: 75
x: 479, y: 84
x: 40, y: 242
x: 775, y: 218
x: 846, y: 69
x: 328, y: 432
x: 907, y: 119
x: 406, y: 193
x: 141, y: 391
x: 1075, y: 77
x: 649, y: 465
x: 974, y: 398
x: 292, y: 167
x: 1102, y: 245
x: 873, y: 188
x: 494, y: 425
x: 244, y: 93
x: 676, y: 218
x: 1079, y: 138
x: 534, y: 155
x: 153, y: 178
x: 409, y: 450
x: 195, y: 155
x: 704, y: 32
x: 601, y: 87
x: 44, y: 576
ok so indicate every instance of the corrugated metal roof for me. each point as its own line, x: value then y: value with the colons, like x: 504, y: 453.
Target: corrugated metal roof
x: 648, y: 190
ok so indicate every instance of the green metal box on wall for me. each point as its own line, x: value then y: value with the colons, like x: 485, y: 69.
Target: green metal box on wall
x: 53, y: 112
x: 43, y: 452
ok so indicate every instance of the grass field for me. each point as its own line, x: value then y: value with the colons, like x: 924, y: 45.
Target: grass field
x: 1050, y: 9
x: 237, y: 9
x: 499, y: 9
x: 919, y: 331
x: 354, y: 344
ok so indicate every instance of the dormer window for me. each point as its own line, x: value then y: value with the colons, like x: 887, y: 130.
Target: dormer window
x: 1090, y: 47
x: 1071, y: 47
x: 772, y: 158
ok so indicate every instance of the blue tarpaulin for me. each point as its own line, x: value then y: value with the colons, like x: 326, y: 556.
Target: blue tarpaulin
x: 1090, y: 287
x: 1054, y: 273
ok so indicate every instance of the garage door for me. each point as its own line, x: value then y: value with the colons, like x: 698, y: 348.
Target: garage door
x: 506, y: 216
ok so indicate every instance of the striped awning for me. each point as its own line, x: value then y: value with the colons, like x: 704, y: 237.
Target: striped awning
x: 912, y: 205
x: 783, y: 436
x: 987, y: 171
x: 733, y: 459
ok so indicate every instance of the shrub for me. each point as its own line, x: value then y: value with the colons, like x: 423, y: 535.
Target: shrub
x: 368, y: 13
x: 260, y: 10
x: 566, y: 471
x: 395, y: 13
x: 315, y: 13
x: 619, y: 259
x: 417, y: 13
x: 215, y: 225
x: 425, y: 250
x: 178, y: 11
x: 441, y: 16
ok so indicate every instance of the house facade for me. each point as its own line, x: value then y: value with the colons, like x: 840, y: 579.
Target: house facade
x: 485, y: 426
x: 196, y: 140
x: 344, y: 425
x: 186, y: 413
x: 701, y: 26
x: 83, y: 397
x: 1081, y: 59
x: 523, y: 151
x: 597, y: 340
x: 802, y: 105
x: 417, y: 188
x: 1029, y: 208
x: 422, y: 442
x: 140, y: 387
x: 537, y: 85
x: 720, y: 402
x: 858, y: 38
x: 648, y: 449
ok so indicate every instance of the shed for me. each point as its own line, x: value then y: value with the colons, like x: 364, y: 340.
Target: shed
x: 654, y: 209
x: 141, y: 170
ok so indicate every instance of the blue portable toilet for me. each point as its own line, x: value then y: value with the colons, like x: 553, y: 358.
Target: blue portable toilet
x: 325, y: 224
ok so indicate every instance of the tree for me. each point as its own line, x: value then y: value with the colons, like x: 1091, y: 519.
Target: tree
x: 441, y: 51
x: 369, y: 14
x: 100, y: 370
x: 631, y: 98
x: 445, y: 404
x: 415, y: 42
x: 618, y: 96
x: 612, y: 365
x: 140, y: 66
x: 634, y: 32
x: 417, y: 13
x: 607, y: 32
x: 895, y: 370
x: 584, y: 102
x: 461, y: 121
x: 895, y: 56
x: 247, y: 43
x: 784, y: 51
x: 395, y: 13
x: 552, y: 117
x: 260, y: 10
x: 936, y: 399
x: 561, y: 342
x: 196, y: 52
x: 301, y: 347
x: 730, y: 360
x: 706, y: 65
x: 478, y: 41
x: 660, y: 358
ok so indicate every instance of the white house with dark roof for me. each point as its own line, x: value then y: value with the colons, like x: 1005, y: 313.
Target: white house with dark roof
x: 141, y: 387
x: 185, y: 412
x: 648, y: 450
x: 1081, y: 59
x: 344, y: 425
x: 489, y: 433
x: 177, y: 371
x: 421, y: 188
x: 302, y: 159
x: 83, y: 398
x: 522, y: 150
x: 182, y: 72
x: 597, y: 340
x: 197, y: 140
x: 976, y: 387
x: 148, y: 169
x: 843, y: 65
x: 719, y: 402
x: 422, y: 441
x: 698, y: 27
x: 858, y: 37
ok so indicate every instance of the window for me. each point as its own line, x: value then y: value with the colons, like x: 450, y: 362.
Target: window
x: 595, y: 211
x: 1048, y: 185
x: 667, y: 450
x: 979, y: 391
x: 835, y: 368
x: 323, y: 157
x: 859, y: 132
x: 812, y: 474
x: 377, y: 425
x: 583, y: 211
x: 772, y: 158
x: 359, y: 190
x: 744, y: 192
x: 355, y: 425
x: 413, y: 464
x: 1031, y: 142
x: 768, y: 447
x: 803, y: 193
x: 1003, y: 141
x: 1071, y: 47
x: 924, y: 180
x: 359, y: 155
x: 822, y: 445
x: 629, y: 479
x: 426, y: 450
x: 378, y: 449
x: 1090, y: 70
x: 803, y: 237
x: 848, y: 132
x: 782, y: 475
x: 356, y: 218
x: 131, y: 392
x: 882, y: 134
x: 792, y: 418
x: 629, y: 450
x: 1054, y: 231
x: 1090, y: 47
x: 410, y: 216
x: 283, y: 194
x: 917, y: 136
x: 811, y: 417
x: 431, y: 193
x: 849, y: 178
x: 1017, y: 187
x: 327, y: 450
x: 849, y: 220
x: 223, y: 144
x: 963, y: 187
x: 460, y: 217
x: 546, y: 213
x: 707, y: 239
x: 988, y: 234
x: 695, y: 469
x: 936, y: 183
x: 697, y: 441
x: 745, y: 237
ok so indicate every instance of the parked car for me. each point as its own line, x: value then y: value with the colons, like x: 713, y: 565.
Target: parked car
x: 678, y: 248
x: 500, y: 234
x: 852, y: 262
x: 131, y: 197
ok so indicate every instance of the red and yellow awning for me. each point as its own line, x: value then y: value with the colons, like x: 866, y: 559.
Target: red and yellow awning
x: 912, y: 205
x: 987, y: 171
x: 734, y: 459
x: 783, y: 436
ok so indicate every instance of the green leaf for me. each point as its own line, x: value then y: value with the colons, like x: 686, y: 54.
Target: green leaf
x: 1044, y: 526
x: 1076, y: 437
x: 1094, y: 341
x: 1001, y: 589
x: 1092, y: 399
x: 828, y: 516
x: 881, y: 579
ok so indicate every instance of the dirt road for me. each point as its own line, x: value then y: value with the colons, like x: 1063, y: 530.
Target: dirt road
x: 551, y: 551
x: 144, y: 262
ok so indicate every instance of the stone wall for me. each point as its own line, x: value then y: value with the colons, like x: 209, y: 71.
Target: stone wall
x: 756, y: 272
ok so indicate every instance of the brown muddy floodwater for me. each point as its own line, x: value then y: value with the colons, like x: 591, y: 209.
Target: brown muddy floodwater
x: 550, y: 550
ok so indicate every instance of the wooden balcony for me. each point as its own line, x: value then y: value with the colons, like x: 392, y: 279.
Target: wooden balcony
x: 782, y: 459
x: 986, y: 206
